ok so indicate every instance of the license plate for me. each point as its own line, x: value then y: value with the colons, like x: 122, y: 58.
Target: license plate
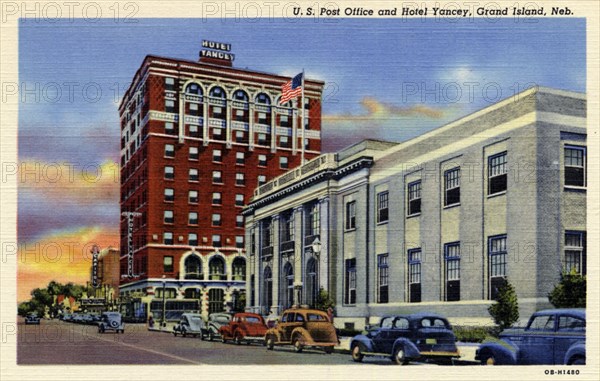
x: 430, y: 341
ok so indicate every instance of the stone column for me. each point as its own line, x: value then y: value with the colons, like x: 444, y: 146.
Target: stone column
x: 298, y: 254
x: 324, y: 259
x: 257, y: 265
x: 205, y: 120
x: 228, y: 122
x: 250, y: 132
x: 273, y: 131
x: 181, y: 117
x: 276, y: 262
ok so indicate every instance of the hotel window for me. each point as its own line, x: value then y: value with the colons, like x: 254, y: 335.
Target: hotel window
x: 239, y: 200
x: 193, y: 239
x: 194, y: 153
x: 217, y: 133
x: 239, y: 179
x: 262, y: 160
x: 575, y: 166
x: 192, y: 218
x: 193, y: 197
x: 287, y: 228
x: 169, y: 173
x: 350, y: 291
x: 306, y: 143
x: 284, y: 141
x: 262, y: 179
x: 239, y: 115
x: 216, y: 198
x: 168, y: 217
x: 217, y: 156
x: 497, y: 173
x: 239, y: 136
x: 283, y: 162
x: 193, y: 174
x: 216, y: 219
x: 382, y: 206
x: 169, y: 105
x: 239, y: 242
x: 194, y: 131
x: 262, y: 139
x: 284, y: 121
x: 382, y: 278
x: 217, y: 177
x: 169, y: 83
x: 169, y: 128
x: 267, y: 233
x: 497, y: 263
x: 168, y: 239
x: 452, y: 187
x: 194, y: 109
x: 240, y: 158
x: 575, y: 252
x: 239, y: 221
x: 169, y: 194
x: 351, y: 215
x: 414, y: 275
x: 262, y: 118
x: 216, y: 240
x: 217, y: 112
x: 452, y: 259
x: 193, y: 88
x: 414, y: 198
x: 168, y: 264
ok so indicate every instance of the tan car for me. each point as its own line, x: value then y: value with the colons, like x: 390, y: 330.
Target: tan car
x: 301, y: 327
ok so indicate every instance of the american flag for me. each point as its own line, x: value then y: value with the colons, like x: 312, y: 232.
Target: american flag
x: 291, y: 89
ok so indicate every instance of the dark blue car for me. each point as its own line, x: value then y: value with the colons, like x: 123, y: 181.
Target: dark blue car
x: 402, y: 338
x: 551, y: 337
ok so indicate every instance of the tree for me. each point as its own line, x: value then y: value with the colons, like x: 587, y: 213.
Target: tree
x: 570, y: 292
x: 324, y: 301
x: 505, y: 311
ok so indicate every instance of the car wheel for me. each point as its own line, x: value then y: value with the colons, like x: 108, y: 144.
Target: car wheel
x: 577, y: 361
x: 223, y: 339
x: 297, y: 345
x: 174, y: 333
x: 399, y: 356
x: 210, y: 336
x: 357, y: 353
x: 270, y: 343
x: 488, y: 359
x: 99, y: 329
x: 328, y: 350
x: 202, y: 336
x: 237, y: 339
x: 183, y: 333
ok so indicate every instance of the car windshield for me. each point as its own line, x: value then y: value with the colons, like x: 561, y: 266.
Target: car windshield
x: 431, y: 322
x: 195, y: 319
x: 252, y: 319
x: 316, y: 317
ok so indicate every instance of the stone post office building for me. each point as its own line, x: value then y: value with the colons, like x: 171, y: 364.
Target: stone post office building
x: 434, y: 223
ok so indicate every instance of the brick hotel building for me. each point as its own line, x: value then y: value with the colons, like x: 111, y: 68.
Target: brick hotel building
x: 196, y: 139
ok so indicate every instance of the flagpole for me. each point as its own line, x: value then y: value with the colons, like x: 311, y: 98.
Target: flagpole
x: 302, y: 118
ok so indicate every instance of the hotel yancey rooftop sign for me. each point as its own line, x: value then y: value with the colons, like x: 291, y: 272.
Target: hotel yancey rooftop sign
x: 216, y: 50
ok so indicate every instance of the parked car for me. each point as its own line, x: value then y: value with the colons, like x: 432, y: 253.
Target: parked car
x: 244, y: 327
x: 402, y: 338
x: 215, y: 322
x: 32, y: 319
x: 551, y: 337
x: 111, y: 321
x: 190, y: 324
x: 302, y: 327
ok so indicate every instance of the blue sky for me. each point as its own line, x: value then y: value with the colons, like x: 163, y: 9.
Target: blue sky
x: 375, y: 71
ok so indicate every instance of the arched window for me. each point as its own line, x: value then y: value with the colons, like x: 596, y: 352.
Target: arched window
x: 239, y: 109
x: 194, y: 89
x: 217, y: 92
x: 263, y: 109
x: 193, y: 267
x: 312, y: 282
x: 192, y: 293
x: 267, y: 297
x: 216, y: 267
x: 240, y: 95
x: 288, y: 285
x: 239, y: 269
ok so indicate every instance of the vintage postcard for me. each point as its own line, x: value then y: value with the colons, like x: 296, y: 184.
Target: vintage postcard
x: 293, y: 190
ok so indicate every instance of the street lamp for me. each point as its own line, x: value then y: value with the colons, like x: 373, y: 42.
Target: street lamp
x: 316, y: 246
x: 162, y: 324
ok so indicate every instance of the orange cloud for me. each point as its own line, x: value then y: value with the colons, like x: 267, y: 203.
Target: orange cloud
x: 80, y: 183
x: 63, y: 257
x: 377, y: 110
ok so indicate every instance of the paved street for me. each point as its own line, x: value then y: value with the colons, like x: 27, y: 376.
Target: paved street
x: 57, y: 342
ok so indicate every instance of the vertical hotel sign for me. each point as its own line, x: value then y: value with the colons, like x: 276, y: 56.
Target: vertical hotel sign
x: 216, y: 50
x: 95, y: 252
x: 130, y: 248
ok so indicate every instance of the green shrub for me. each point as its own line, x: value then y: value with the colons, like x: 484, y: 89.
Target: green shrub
x: 570, y: 292
x: 505, y: 311
x: 474, y: 334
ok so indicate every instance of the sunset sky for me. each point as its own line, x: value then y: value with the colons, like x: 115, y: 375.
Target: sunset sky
x: 385, y: 79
